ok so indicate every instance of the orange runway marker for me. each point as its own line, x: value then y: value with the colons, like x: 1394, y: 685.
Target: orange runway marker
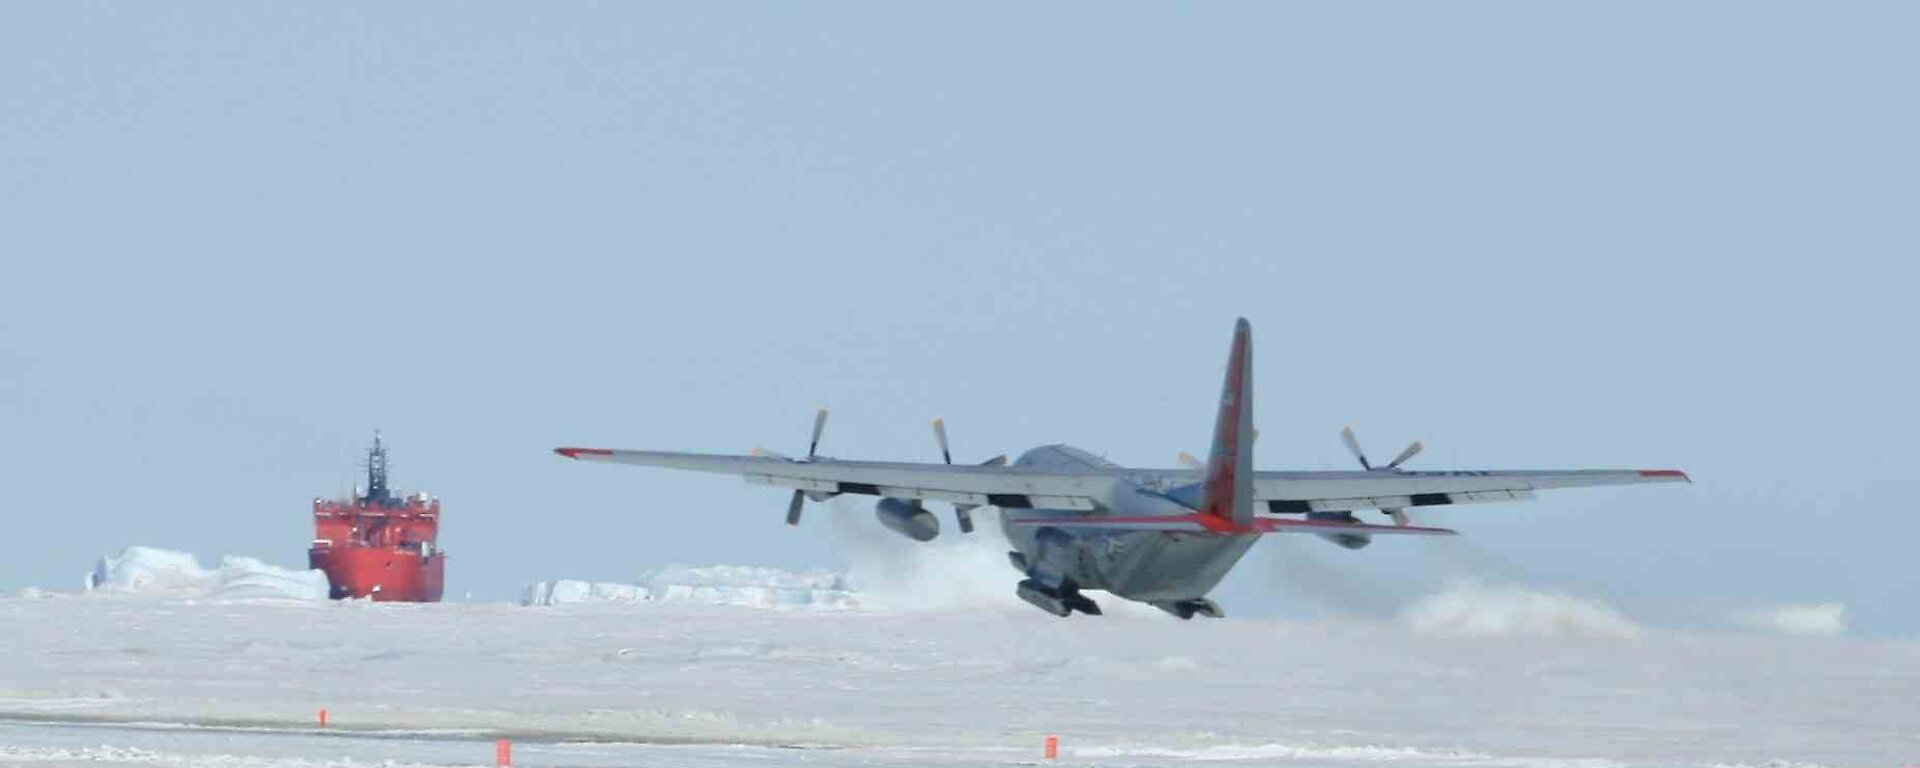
x: 323, y: 717
x: 1053, y: 747
x: 503, y: 753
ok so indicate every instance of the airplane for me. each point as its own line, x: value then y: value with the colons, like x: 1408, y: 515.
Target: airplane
x: 1164, y: 537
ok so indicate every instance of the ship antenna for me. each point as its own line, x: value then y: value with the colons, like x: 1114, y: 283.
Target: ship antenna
x: 377, y: 472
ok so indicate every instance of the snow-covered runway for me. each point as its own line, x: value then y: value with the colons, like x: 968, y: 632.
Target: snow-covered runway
x: 664, y: 684
x: 49, y: 744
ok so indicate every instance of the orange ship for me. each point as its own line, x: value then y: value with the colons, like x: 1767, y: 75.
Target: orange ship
x: 379, y: 545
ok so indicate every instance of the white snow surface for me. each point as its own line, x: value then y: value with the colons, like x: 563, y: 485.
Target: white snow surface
x: 732, y: 684
x: 741, y: 585
x: 152, y: 571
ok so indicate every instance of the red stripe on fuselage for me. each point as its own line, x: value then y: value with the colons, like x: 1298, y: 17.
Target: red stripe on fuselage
x: 574, y: 453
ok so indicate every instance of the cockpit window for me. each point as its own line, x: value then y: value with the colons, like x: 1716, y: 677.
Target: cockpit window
x: 1063, y: 457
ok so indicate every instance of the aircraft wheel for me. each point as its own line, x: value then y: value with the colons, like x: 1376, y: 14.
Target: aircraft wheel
x: 1083, y: 604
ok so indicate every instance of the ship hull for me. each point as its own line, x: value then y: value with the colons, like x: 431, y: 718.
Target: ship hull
x: 383, y: 574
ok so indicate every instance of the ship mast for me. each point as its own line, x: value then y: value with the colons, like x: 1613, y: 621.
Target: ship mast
x: 377, y: 492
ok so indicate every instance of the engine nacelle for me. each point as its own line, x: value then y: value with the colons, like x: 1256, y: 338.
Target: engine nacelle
x: 907, y: 518
x: 1348, y: 540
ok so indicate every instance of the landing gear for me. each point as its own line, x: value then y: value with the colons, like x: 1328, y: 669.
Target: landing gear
x: 1059, y: 602
x: 1042, y: 598
x: 1187, y: 609
x: 1083, y: 604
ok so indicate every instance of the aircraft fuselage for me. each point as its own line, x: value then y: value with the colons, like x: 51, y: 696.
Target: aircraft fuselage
x: 1159, y: 567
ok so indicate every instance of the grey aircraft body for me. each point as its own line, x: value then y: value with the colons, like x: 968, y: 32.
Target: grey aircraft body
x: 1160, y: 536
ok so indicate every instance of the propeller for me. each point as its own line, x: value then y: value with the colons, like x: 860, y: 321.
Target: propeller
x: 940, y: 436
x: 1353, y: 445
x: 813, y: 448
x: 961, y: 512
x: 1193, y: 462
x: 1399, y: 514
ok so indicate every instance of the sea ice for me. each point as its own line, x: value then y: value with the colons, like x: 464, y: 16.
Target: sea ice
x: 741, y: 585
x: 1819, y: 620
x: 163, y: 572
x: 1471, y: 608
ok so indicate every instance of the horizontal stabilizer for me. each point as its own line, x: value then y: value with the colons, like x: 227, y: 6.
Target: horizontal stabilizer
x: 1213, y: 524
x: 1272, y: 525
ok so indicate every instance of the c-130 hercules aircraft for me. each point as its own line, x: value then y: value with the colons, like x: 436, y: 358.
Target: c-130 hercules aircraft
x: 1159, y: 536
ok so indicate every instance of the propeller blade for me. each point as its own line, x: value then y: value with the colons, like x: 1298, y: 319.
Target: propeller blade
x: 819, y: 424
x: 793, y: 507
x: 1189, y: 461
x: 1411, y: 451
x: 963, y: 513
x: 940, y: 435
x: 1353, y: 444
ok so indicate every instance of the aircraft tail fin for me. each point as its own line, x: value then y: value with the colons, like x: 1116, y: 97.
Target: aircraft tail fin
x: 1226, y: 490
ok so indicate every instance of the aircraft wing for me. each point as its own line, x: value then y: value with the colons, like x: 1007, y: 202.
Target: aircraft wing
x: 1024, y: 488
x: 985, y: 485
x: 1297, y: 492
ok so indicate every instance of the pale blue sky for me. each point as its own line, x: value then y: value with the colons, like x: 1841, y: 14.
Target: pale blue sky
x: 238, y: 237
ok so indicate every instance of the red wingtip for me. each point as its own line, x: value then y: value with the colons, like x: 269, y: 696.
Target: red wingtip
x: 1665, y: 473
x: 574, y: 453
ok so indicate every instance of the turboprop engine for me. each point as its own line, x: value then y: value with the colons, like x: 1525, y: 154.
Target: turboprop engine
x: 1347, y: 540
x: 907, y: 518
